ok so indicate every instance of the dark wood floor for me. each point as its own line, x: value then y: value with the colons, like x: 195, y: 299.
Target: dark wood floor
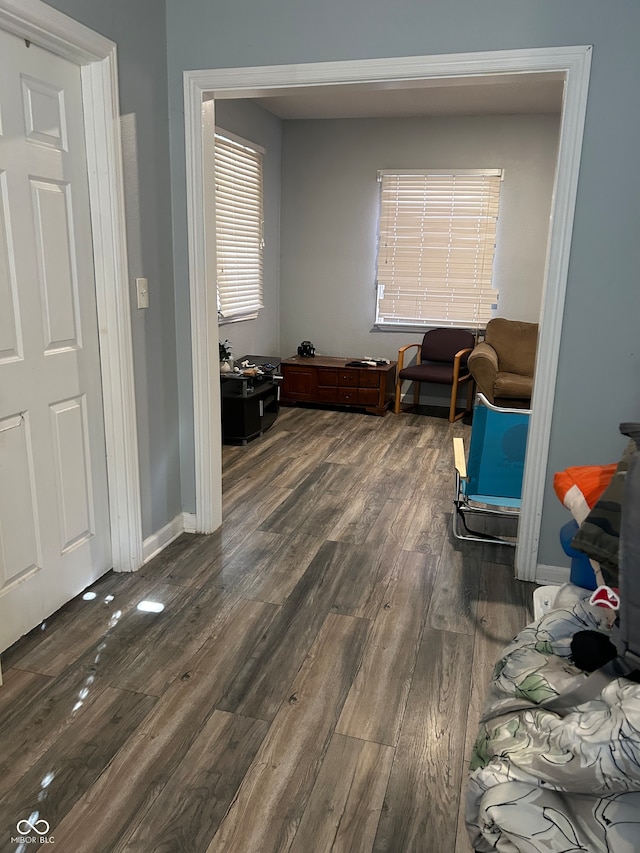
x: 313, y: 682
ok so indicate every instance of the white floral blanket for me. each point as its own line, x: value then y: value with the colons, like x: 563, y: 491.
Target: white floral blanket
x: 542, y: 783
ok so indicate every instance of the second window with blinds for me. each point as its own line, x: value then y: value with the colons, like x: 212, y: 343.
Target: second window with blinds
x: 239, y: 227
x: 436, y: 247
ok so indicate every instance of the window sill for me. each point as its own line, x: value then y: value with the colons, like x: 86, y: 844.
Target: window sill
x: 421, y: 329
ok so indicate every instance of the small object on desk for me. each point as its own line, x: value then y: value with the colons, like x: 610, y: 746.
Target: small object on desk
x: 306, y: 349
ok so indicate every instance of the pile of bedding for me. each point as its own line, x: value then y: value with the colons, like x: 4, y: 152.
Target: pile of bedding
x: 545, y: 783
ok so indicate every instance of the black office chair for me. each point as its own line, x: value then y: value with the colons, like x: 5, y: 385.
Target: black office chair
x: 441, y: 359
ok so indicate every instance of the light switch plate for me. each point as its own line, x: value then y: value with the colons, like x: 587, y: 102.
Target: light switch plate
x: 142, y: 290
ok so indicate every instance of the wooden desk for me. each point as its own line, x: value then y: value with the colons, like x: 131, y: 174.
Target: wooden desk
x: 321, y: 379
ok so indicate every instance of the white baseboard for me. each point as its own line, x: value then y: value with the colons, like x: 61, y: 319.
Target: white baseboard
x: 159, y: 540
x: 189, y: 522
x: 552, y: 574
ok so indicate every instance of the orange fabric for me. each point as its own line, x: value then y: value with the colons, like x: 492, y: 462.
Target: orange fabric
x: 584, y: 483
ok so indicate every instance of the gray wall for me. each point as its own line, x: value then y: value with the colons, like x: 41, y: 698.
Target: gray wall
x: 140, y: 33
x: 597, y: 383
x: 597, y: 374
x: 329, y: 217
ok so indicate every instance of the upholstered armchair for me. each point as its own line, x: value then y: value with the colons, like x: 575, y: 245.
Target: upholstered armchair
x: 503, y: 364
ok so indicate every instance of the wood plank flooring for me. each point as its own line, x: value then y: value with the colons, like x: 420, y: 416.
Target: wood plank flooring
x: 313, y: 683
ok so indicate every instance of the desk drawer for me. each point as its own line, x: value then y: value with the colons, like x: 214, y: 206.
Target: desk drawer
x: 327, y: 394
x: 327, y: 376
x: 349, y: 378
x: 348, y: 396
x: 369, y: 379
x: 368, y: 396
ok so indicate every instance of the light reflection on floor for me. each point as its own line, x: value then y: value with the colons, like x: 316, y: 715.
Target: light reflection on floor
x: 150, y: 607
x: 144, y: 606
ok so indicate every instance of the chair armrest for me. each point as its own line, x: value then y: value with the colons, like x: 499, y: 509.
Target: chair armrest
x: 483, y: 366
x: 457, y: 359
x: 401, y: 353
x: 457, y: 364
x: 483, y: 350
x: 459, y: 458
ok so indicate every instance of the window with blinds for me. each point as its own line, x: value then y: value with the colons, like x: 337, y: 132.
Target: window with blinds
x: 239, y: 227
x: 436, y: 245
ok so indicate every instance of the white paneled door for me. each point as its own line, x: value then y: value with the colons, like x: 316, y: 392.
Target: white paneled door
x: 54, y: 514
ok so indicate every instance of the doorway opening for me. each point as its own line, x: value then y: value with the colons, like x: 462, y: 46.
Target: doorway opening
x: 572, y: 63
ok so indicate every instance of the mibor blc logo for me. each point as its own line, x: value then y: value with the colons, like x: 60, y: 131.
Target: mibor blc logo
x: 33, y: 830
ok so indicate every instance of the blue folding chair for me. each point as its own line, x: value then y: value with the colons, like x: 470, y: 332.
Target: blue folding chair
x: 490, y: 483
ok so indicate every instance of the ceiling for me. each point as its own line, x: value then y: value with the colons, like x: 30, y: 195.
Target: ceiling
x: 491, y: 94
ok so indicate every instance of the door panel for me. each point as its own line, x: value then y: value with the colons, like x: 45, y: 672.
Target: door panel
x: 20, y: 551
x: 73, y: 471
x: 56, y: 274
x: 54, y: 516
x: 44, y: 115
x: 10, y: 336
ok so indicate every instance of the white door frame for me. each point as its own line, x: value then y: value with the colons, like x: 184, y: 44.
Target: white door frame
x: 96, y: 56
x: 574, y: 62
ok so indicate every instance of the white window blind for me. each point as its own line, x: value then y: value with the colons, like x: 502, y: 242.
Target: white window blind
x: 239, y: 227
x: 436, y: 245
